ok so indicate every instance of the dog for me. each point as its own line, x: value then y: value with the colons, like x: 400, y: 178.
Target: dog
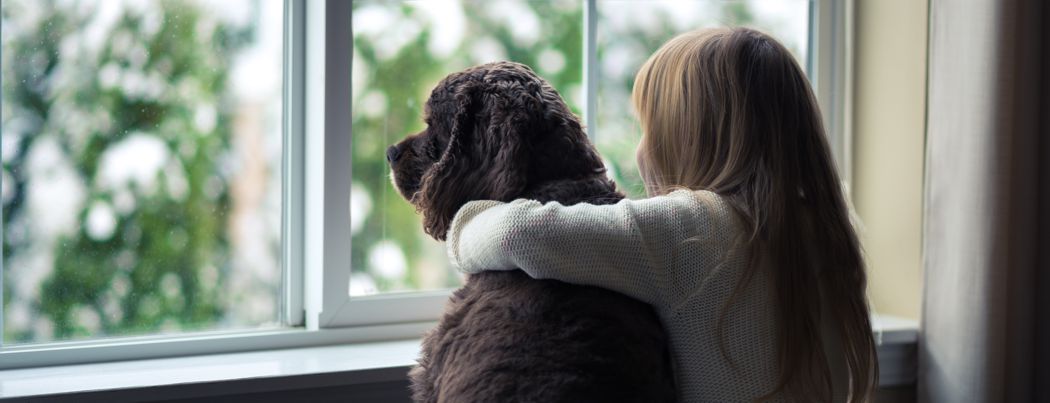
x: 499, y: 132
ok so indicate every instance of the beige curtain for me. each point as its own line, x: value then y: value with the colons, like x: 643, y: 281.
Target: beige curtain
x: 986, y: 309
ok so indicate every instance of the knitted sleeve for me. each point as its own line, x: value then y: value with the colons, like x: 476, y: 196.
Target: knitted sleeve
x: 627, y: 247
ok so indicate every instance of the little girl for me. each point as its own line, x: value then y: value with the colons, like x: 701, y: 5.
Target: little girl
x: 745, y: 247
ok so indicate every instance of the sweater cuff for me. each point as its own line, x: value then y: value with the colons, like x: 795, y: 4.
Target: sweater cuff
x: 460, y: 220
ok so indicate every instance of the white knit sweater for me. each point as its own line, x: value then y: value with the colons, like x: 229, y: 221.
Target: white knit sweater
x: 682, y: 253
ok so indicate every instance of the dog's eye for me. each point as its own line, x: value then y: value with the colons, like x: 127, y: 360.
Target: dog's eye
x: 436, y: 148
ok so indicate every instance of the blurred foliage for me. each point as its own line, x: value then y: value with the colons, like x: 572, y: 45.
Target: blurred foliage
x: 151, y: 273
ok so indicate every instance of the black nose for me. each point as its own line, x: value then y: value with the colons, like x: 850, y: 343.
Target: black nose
x: 392, y: 154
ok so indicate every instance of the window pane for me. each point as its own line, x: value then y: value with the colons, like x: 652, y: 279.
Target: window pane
x: 401, y: 50
x: 629, y: 31
x: 141, y: 179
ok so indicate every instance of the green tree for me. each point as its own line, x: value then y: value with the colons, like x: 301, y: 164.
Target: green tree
x: 147, y: 271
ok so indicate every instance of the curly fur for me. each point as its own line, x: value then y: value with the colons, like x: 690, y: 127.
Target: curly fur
x: 499, y: 132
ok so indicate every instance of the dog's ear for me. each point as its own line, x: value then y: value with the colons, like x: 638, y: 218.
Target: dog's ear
x: 486, y: 157
x: 566, y: 150
x: 441, y: 191
x: 513, y: 117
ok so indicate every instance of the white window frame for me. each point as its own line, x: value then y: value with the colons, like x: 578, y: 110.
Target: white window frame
x: 316, y: 303
x: 327, y: 232
x: 830, y: 69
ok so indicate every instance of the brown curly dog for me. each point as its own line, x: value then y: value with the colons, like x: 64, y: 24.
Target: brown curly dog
x: 499, y: 132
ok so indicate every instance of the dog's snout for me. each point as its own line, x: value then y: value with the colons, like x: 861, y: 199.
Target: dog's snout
x: 393, y: 153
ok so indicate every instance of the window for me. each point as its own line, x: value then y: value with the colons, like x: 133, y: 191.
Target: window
x: 141, y: 167
x: 211, y: 173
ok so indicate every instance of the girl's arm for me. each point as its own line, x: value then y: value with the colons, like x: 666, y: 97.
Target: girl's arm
x: 628, y: 247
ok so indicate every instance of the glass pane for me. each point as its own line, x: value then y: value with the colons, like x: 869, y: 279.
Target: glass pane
x: 141, y: 179
x: 629, y: 31
x: 401, y: 50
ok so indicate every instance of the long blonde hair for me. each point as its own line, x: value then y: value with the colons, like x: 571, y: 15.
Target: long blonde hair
x: 730, y: 111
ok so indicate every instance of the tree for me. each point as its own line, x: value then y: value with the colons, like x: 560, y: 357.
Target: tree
x: 149, y: 249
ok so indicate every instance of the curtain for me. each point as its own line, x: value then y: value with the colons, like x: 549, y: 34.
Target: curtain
x: 986, y: 301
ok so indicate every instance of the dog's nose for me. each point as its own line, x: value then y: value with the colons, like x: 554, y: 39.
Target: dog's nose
x: 392, y: 154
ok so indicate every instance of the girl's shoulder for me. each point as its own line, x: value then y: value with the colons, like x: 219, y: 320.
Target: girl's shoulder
x: 699, y: 196
x: 711, y: 209
x: 710, y: 203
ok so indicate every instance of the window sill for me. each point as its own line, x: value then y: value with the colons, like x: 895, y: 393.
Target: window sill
x: 217, y: 374
x: 898, y: 351
x: 308, y: 367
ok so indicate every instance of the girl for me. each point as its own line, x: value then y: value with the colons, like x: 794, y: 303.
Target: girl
x: 744, y: 248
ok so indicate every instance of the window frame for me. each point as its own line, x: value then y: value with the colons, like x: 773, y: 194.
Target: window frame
x: 327, y: 194
x: 316, y: 305
x: 830, y: 68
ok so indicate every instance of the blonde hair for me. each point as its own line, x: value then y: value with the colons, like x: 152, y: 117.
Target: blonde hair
x: 730, y: 111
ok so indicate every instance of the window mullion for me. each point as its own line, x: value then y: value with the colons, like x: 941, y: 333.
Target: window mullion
x: 337, y: 156
x: 590, y: 66
x: 830, y: 69
x: 293, y: 94
x: 336, y: 309
x: 327, y: 214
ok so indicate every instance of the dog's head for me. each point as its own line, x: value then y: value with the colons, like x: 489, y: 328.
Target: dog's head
x: 493, y: 132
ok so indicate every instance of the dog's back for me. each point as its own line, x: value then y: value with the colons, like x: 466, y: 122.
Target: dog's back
x: 507, y: 337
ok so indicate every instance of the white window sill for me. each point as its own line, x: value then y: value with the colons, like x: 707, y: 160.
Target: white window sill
x: 309, y: 367
x: 898, y: 350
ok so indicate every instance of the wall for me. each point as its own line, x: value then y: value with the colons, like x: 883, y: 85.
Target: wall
x: 889, y: 126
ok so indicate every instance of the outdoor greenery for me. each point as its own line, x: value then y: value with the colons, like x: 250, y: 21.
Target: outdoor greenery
x: 117, y: 143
